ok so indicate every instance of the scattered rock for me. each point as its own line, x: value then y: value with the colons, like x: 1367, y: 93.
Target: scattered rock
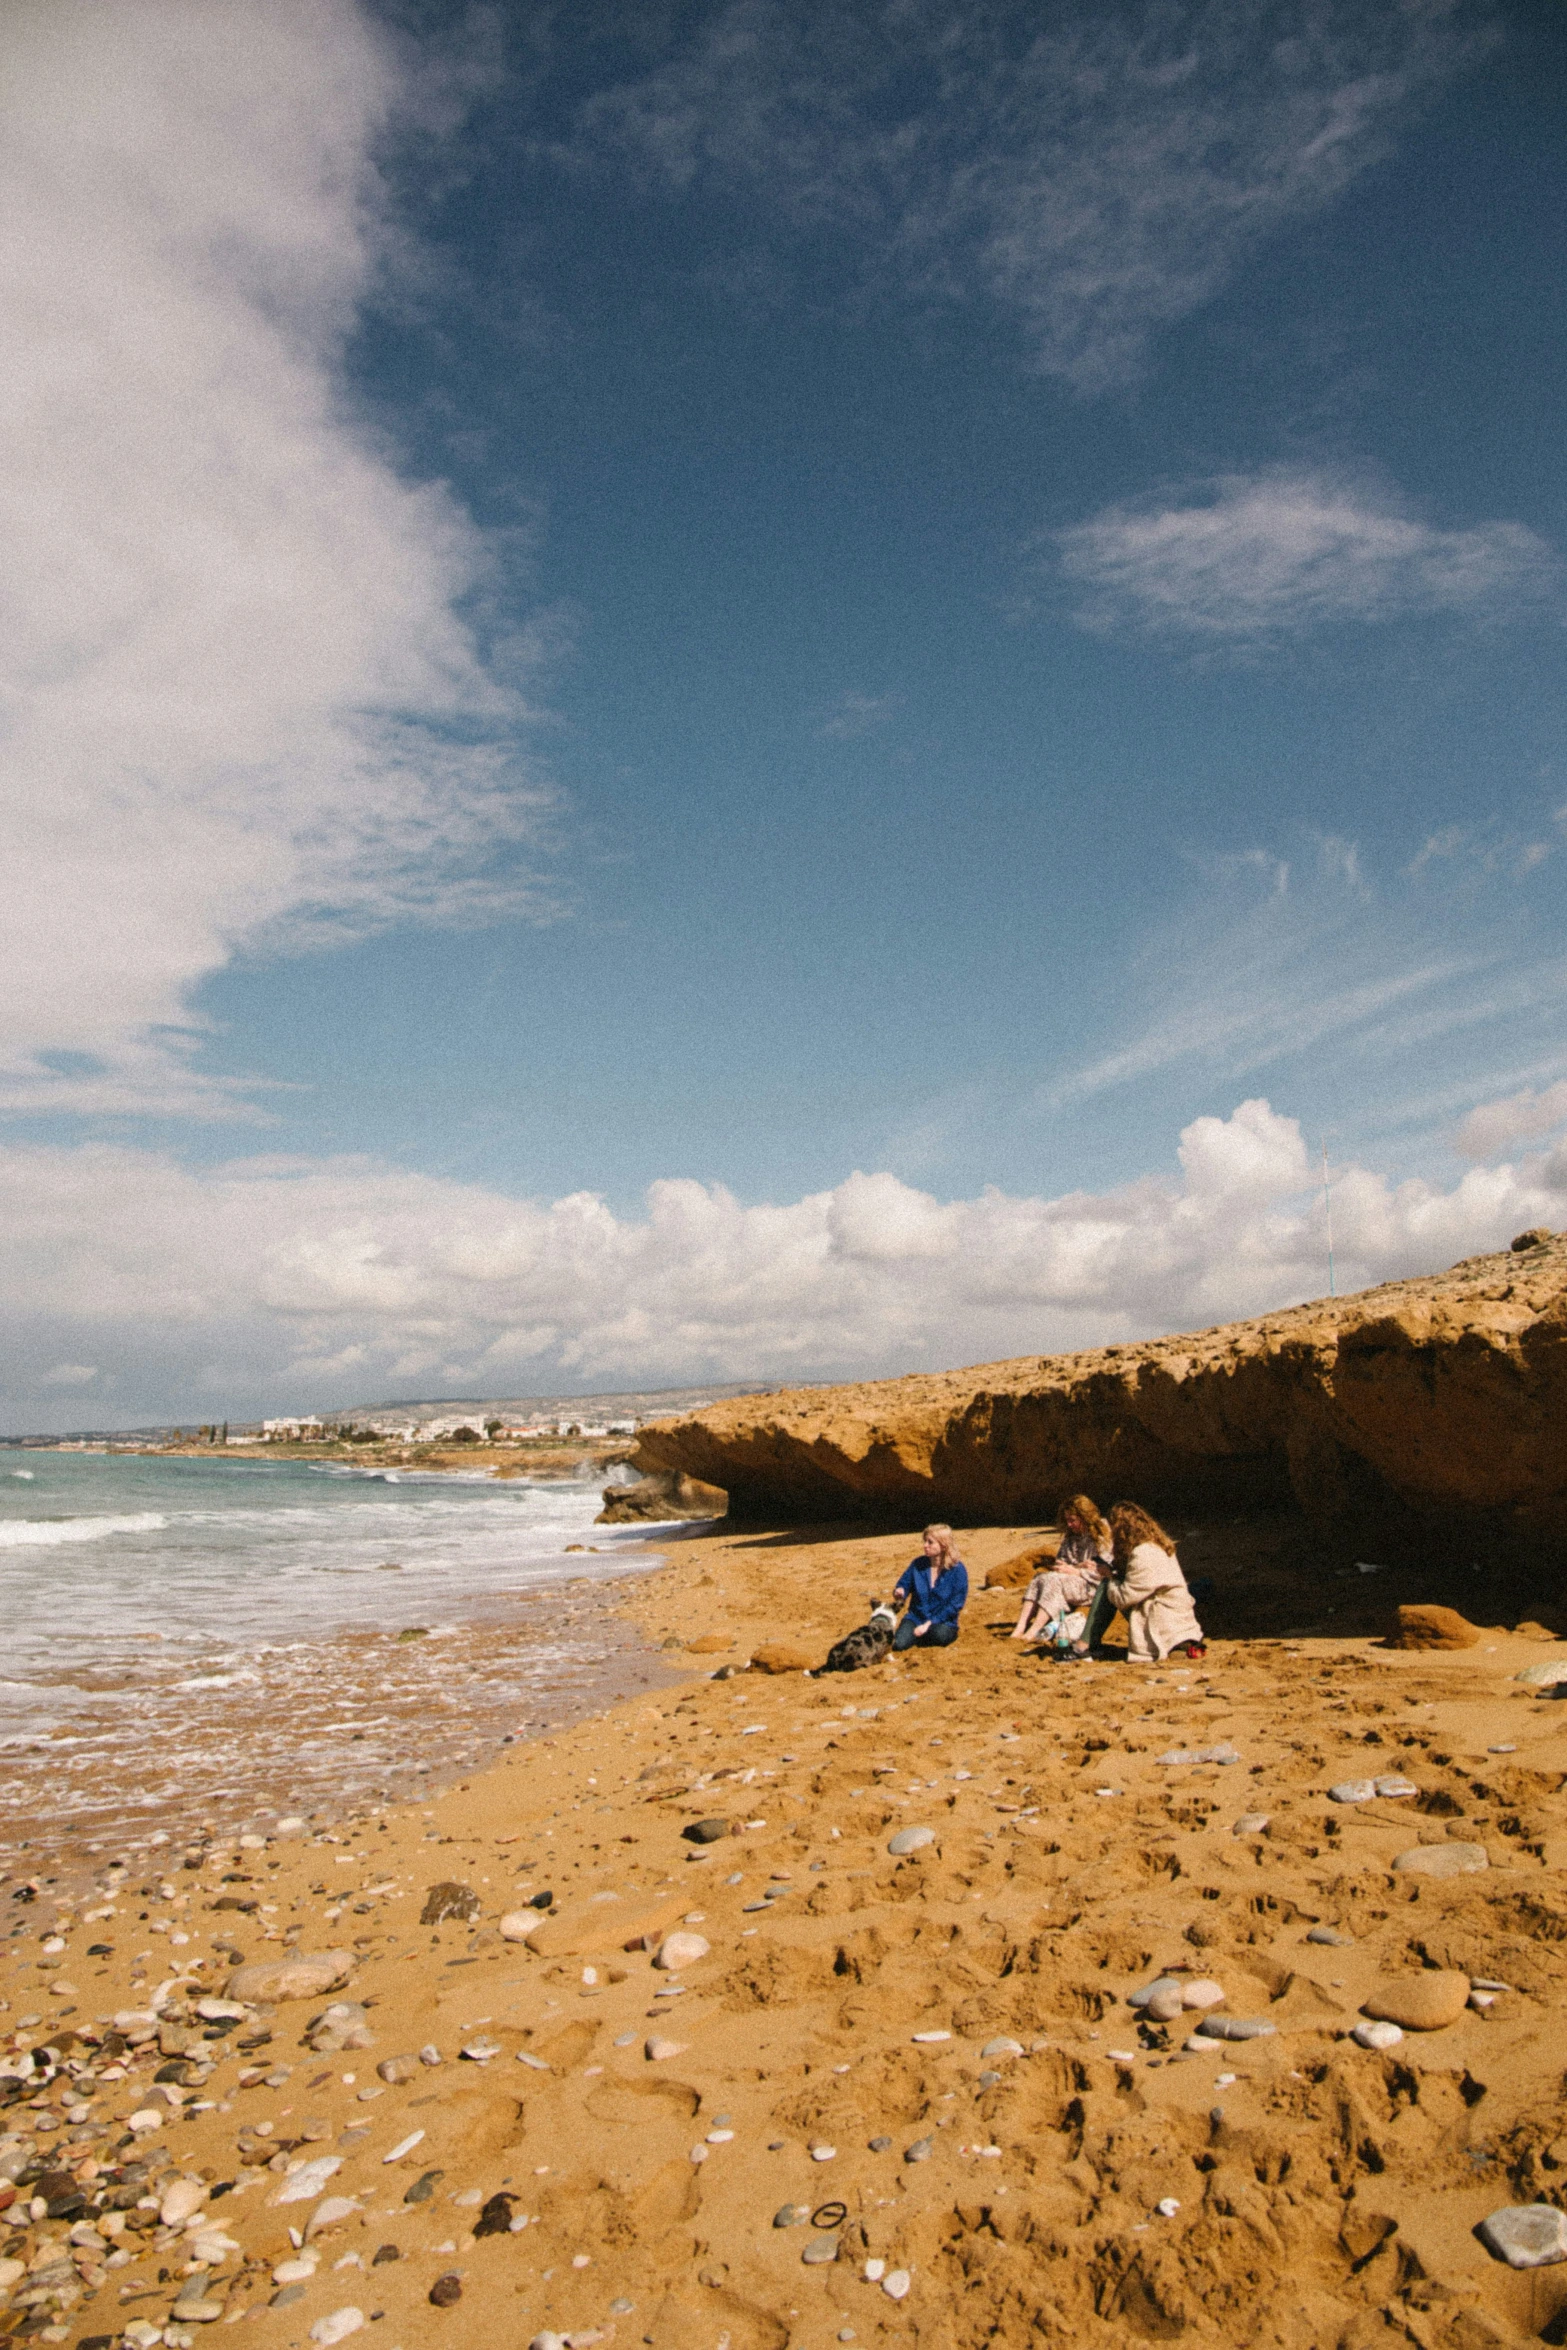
x: 448, y: 1900
x: 1530, y: 1630
x: 306, y: 2183
x: 397, y: 2069
x: 1434, y: 1627
x: 1164, y: 2003
x: 1200, y: 1754
x: 791, y: 2215
x: 680, y: 1950
x: 657, y: 1499
x: 1541, y: 1676
x: 1443, y: 1860
x: 337, y: 2327
x: 1161, y: 1983
x: 1537, y: 1236
x: 1330, y: 1938
x: 1251, y: 1823
x: 481, y: 2051
x: 909, y: 1840
x: 330, y: 2212
x: 1234, y: 2027
x: 1202, y: 1992
x: 182, y: 2201
x: 820, y: 2252
x: 879, y: 2145
x: 424, y: 2186
x: 1374, y: 2035
x: 518, y: 1924
x: 710, y: 1644
x: 1002, y: 2047
x: 705, y: 1831
x: 1352, y: 1791
x: 495, y: 2218
x: 1526, y: 2235
x: 306, y: 1976
x: 920, y: 2151
x: 896, y: 2283
x: 446, y: 2291
x: 657, y: 2051
x: 779, y: 1656
x: 1394, y: 1789
x: 1427, y: 2002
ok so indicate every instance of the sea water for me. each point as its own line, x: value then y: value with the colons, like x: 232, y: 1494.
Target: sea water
x: 181, y: 1628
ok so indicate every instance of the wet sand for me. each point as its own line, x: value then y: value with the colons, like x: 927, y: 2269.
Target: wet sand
x: 839, y: 2050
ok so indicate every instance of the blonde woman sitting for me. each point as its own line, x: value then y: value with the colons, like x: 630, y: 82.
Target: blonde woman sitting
x: 1072, y: 1580
x: 1146, y: 1584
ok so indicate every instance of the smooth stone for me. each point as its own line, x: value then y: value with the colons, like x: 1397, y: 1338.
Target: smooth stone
x: 518, y: 1924
x: 918, y: 2152
x: 880, y: 2145
x: 1164, y: 2003
x: 1352, y: 1791
x: 337, y: 2327
x: 1251, y: 1823
x: 1540, y: 1677
x: 1394, y: 1789
x: 1377, y: 2035
x: 295, y: 2272
x: 896, y: 2284
x: 929, y: 2039
x: 1201, y: 1754
x: 791, y: 2215
x: 221, y: 2011
x: 1160, y: 1983
x: 307, y: 2182
x: 874, y: 2271
x: 1330, y: 1938
x: 681, y: 1950
x: 1235, y: 2027
x: 988, y: 2080
x: 396, y: 2069
x: 330, y: 2212
x: 1427, y: 2002
x: 537, y: 2064
x: 818, y: 2254
x: 305, y: 1977
x: 705, y: 1831
x: 657, y: 2051
x: 1526, y: 2235
x: 182, y: 2201
x: 909, y: 1840
x: 1443, y: 1860
x: 1167, y: 2206
x: 481, y: 2051
x: 1002, y: 2047
x: 1202, y: 1992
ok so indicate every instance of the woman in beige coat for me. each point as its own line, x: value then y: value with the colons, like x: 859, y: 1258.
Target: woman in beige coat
x: 1146, y: 1584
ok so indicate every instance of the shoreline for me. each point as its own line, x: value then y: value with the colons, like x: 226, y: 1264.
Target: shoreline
x: 846, y: 2042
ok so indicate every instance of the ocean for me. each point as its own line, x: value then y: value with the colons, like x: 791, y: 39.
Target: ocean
x: 191, y: 1640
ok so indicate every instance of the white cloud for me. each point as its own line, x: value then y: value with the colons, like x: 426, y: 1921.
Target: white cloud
x: 1260, y: 555
x: 1103, y: 174
x: 69, y: 1375
x: 244, y: 695
x: 290, y: 1282
x: 1522, y: 1117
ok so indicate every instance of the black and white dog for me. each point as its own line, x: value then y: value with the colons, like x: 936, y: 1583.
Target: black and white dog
x: 866, y: 1645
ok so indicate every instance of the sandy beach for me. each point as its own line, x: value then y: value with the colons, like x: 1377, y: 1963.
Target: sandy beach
x: 898, y: 2097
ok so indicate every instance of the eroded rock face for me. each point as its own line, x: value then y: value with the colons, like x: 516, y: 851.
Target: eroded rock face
x: 1434, y: 1627
x: 1442, y: 1398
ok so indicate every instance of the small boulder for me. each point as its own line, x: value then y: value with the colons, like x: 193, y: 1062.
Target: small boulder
x: 448, y: 1900
x: 1526, y: 2235
x: 782, y: 1656
x: 909, y: 1840
x: 1377, y: 2035
x: 1443, y: 1860
x: 1542, y: 1676
x: 680, y: 1950
x: 304, y: 1977
x: 1427, y: 2002
x: 1434, y: 1627
x: 1537, y: 1236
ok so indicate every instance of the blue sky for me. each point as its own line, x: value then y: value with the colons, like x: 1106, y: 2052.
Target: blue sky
x: 747, y: 597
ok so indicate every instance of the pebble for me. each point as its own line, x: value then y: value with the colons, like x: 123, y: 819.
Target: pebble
x: 1394, y: 1789
x: 681, y: 1950
x: 1160, y: 1983
x: 824, y: 2153
x: 1330, y: 1938
x: 791, y: 2215
x: 337, y: 2327
x: 146, y: 2118
x: 1501, y: 1750
x: 1377, y: 2035
x: 705, y: 1831
x: 396, y: 2069
x: 298, y: 2271
x: 537, y: 2064
x: 927, y: 2039
x: 896, y: 2284
x: 918, y: 2152
x: 331, y: 2212
x: 1232, y: 2027
x: 700, y: 2153
x: 1200, y: 1754
x: 880, y: 2145
x: 304, y: 1977
x: 1202, y: 1992
x: 1443, y: 1860
x: 182, y: 2201
x: 1526, y: 2235
x: 518, y: 1924
x: 1426, y: 2002
x: 1251, y: 1823
x: 404, y: 2146
x: 1167, y: 2207
x: 1352, y: 1791
x: 307, y: 2182
x: 1002, y: 2047
x: 1164, y: 2003
x: 656, y: 2051
x: 909, y: 1840
x: 874, y: 2271
x: 817, y: 2254
x: 481, y: 2051
x: 446, y: 2291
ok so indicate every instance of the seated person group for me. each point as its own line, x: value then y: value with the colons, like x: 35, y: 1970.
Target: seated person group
x: 1125, y: 1562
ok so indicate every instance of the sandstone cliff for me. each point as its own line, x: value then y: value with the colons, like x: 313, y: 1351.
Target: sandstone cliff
x: 1438, y: 1401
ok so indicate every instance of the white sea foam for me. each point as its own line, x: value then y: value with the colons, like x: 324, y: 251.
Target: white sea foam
x: 44, y: 1533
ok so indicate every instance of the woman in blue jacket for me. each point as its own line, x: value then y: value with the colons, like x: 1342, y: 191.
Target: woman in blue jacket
x: 935, y: 1587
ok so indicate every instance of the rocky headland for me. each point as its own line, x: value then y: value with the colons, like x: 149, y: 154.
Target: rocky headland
x: 1439, y: 1402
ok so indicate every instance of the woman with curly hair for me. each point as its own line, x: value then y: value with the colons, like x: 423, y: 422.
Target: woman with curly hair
x: 1072, y: 1581
x: 1146, y: 1584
